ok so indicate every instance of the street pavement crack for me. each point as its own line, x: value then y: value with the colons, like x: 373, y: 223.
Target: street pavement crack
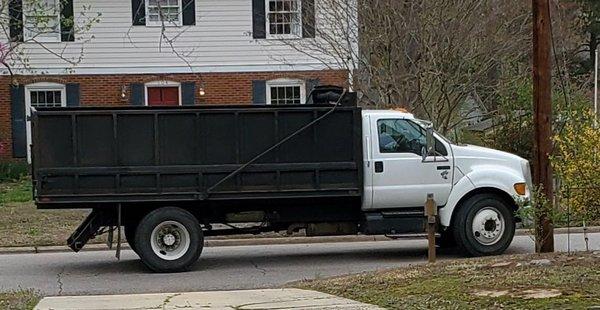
x: 262, y: 270
x: 59, y: 281
x: 168, y: 300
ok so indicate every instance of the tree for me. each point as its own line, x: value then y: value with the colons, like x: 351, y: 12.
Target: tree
x: 428, y: 56
x: 590, y: 24
x: 44, y: 18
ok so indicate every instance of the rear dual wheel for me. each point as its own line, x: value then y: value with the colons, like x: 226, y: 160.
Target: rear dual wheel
x: 169, y: 240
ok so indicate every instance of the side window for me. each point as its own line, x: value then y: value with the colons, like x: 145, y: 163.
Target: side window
x: 404, y: 136
x: 400, y: 136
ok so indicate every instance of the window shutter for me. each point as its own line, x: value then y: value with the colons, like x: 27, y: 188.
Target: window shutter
x: 308, y: 18
x: 259, y: 92
x: 15, y: 8
x: 137, y: 96
x: 72, y: 95
x: 18, y: 121
x: 138, y: 9
x: 310, y: 85
x: 66, y: 21
x: 188, y: 93
x: 189, y: 12
x: 259, y: 30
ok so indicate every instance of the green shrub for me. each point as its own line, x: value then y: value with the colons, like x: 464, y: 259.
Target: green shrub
x: 576, y: 164
x: 11, y: 171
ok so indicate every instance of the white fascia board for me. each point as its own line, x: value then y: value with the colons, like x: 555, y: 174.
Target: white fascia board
x: 170, y: 69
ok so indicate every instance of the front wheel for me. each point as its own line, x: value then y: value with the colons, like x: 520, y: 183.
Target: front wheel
x: 169, y: 240
x: 484, y: 225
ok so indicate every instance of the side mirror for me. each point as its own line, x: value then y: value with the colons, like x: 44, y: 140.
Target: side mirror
x: 429, y: 149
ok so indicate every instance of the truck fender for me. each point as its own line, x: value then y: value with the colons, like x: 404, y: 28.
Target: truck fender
x: 496, y: 180
x: 459, y: 190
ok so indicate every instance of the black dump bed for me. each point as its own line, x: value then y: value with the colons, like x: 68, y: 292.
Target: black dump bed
x: 84, y: 156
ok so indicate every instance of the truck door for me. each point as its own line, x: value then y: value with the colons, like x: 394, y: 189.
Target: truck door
x: 401, y: 178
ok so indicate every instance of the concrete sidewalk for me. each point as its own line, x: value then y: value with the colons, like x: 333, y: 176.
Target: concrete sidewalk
x: 239, y: 300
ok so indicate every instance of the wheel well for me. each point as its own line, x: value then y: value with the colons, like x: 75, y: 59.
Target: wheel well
x: 485, y: 190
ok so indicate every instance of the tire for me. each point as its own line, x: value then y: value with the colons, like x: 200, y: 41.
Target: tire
x: 484, y: 225
x: 169, y: 240
x: 129, y: 231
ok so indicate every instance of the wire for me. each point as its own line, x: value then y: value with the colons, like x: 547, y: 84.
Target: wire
x: 560, y: 72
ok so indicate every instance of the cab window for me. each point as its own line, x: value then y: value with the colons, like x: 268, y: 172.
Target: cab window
x: 404, y: 136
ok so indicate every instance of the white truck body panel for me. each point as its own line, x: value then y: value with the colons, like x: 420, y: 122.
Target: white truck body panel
x: 406, y: 178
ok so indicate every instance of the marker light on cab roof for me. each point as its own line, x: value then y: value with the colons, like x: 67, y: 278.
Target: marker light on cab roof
x: 403, y: 110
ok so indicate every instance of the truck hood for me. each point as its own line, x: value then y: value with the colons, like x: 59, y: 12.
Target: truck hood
x: 470, y: 157
x: 473, y: 152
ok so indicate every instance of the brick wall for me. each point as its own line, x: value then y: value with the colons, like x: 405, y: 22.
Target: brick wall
x: 106, y: 90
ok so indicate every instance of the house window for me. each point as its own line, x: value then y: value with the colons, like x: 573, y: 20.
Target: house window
x: 46, y: 98
x: 282, y: 92
x: 163, y: 93
x: 41, y: 20
x: 284, y: 18
x: 167, y: 12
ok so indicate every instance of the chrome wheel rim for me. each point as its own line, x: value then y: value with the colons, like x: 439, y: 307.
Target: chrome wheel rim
x: 488, y: 226
x: 170, y: 240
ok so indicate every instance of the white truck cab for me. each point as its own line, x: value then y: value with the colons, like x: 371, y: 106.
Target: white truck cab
x: 476, y: 189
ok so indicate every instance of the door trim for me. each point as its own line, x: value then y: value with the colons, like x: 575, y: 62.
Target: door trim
x: 155, y: 84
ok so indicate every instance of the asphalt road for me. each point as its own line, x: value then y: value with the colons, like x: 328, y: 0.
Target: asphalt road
x: 224, y: 268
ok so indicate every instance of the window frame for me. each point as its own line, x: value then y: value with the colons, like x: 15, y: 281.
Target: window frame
x: 438, y: 143
x: 291, y: 35
x: 286, y: 83
x: 28, y: 34
x: 157, y: 84
x: 159, y: 23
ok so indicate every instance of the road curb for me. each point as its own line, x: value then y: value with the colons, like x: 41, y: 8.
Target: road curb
x: 258, y: 241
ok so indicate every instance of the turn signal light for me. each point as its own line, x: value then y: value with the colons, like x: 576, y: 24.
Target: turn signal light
x: 521, y: 188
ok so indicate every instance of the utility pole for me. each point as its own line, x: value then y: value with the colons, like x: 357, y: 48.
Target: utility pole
x: 542, y: 119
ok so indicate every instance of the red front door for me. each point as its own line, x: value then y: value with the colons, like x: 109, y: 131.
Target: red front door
x: 163, y: 96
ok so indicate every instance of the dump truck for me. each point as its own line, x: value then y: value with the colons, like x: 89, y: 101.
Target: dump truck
x: 170, y: 176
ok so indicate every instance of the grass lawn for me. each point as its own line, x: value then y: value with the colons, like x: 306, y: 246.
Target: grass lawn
x: 19, y: 300
x: 21, y: 224
x: 489, y: 283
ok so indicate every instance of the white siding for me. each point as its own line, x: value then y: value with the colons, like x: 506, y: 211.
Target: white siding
x: 221, y: 41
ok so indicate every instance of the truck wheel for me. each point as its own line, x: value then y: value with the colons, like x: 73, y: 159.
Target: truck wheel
x: 129, y: 231
x: 169, y: 240
x: 484, y: 225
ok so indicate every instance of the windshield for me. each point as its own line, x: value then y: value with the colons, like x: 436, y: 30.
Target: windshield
x: 424, y: 124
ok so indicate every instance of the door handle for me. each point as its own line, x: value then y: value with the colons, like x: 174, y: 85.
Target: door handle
x: 443, y: 167
x: 378, y: 167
